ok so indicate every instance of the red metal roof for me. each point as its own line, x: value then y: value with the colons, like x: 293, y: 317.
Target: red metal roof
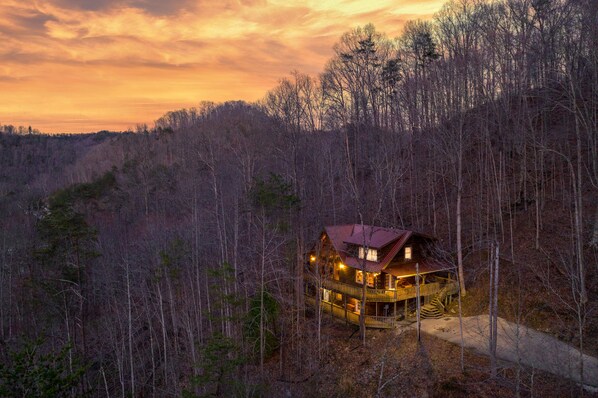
x: 340, y: 235
x: 378, y: 238
x: 426, y: 266
x: 374, y: 237
x: 395, y: 249
x: 370, y: 266
x: 337, y: 234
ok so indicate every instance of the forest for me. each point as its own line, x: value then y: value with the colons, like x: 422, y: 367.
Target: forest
x: 169, y: 260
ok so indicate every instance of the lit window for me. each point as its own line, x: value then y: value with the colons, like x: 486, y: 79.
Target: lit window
x: 357, y: 306
x: 371, y: 256
x: 370, y: 280
x: 325, y: 295
x: 359, y: 277
x: 407, y: 252
x: 389, y: 282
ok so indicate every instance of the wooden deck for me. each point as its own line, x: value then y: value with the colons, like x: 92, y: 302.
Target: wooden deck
x: 376, y: 322
x: 388, y: 296
x: 377, y: 295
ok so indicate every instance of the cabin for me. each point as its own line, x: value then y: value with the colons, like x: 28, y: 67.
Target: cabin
x: 395, y: 266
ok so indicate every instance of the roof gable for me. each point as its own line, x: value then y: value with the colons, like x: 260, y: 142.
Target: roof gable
x: 374, y: 237
x: 341, y: 236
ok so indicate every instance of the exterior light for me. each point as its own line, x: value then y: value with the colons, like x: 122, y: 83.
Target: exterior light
x: 312, y: 258
x: 341, y: 266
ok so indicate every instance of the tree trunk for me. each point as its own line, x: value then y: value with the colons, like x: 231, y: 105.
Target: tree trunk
x: 458, y: 216
x: 493, y: 308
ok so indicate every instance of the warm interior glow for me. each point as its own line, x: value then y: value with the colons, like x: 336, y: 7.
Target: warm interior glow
x: 370, y: 279
x: 372, y: 254
x: 357, y: 305
x: 359, y: 277
x: 390, y: 282
x: 407, y: 252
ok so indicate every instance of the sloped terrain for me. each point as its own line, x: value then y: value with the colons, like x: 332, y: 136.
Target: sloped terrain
x: 518, y: 344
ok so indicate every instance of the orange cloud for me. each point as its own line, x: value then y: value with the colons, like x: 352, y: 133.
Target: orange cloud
x: 87, y: 65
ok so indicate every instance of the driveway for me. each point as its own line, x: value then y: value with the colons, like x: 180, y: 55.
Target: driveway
x: 536, y: 349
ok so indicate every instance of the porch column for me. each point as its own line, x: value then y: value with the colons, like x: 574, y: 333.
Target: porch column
x: 345, y: 305
x: 394, y: 313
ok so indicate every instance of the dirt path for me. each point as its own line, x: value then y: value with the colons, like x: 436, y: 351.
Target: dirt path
x: 536, y: 349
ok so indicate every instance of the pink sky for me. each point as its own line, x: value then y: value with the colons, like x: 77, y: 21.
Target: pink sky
x: 89, y: 65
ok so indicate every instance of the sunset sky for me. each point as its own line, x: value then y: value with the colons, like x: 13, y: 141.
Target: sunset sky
x: 89, y: 65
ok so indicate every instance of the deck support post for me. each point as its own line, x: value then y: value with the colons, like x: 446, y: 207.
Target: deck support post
x: 418, y: 301
x: 345, y: 305
x: 394, y: 313
x: 331, y: 308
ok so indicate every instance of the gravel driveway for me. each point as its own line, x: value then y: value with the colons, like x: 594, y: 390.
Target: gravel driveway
x: 536, y: 349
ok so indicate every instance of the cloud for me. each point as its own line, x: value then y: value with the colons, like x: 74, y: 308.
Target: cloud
x: 155, y: 7
x: 100, y: 59
x: 25, y: 21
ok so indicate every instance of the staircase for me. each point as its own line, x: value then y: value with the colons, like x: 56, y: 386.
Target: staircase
x: 435, y: 308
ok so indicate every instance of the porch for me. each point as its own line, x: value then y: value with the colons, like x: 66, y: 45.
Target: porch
x: 371, y: 321
x: 391, y: 295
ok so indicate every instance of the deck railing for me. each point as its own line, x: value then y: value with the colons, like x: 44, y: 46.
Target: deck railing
x: 384, y: 295
x: 378, y: 295
x: 378, y: 322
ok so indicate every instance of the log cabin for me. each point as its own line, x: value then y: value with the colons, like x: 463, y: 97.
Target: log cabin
x: 395, y: 265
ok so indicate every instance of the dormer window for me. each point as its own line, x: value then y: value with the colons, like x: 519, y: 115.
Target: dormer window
x: 407, y: 252
x: 372, y: 254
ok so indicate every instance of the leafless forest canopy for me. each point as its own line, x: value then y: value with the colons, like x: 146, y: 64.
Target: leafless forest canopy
x: 169, y: 261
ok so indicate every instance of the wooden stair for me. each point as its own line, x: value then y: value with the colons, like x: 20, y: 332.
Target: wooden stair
x: 431, y: 311
x: 434, y: 309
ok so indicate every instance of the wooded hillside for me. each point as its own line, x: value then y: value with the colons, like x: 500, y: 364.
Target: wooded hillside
x: 169, y: 262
